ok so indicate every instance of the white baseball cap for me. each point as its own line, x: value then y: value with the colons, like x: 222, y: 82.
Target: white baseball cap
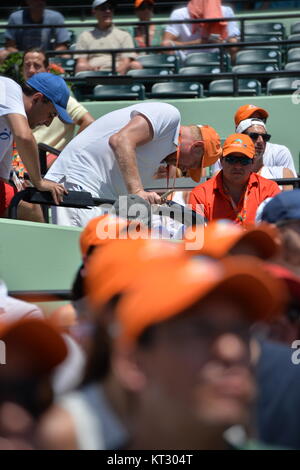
x: 97, y: 3
x: 244, y: 125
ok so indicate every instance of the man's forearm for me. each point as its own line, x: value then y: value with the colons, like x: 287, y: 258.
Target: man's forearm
x: 126, y: 158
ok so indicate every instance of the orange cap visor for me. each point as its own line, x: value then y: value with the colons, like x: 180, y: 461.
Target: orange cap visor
x: 220, y: 236
x: 170, y: 291
x: 246, y: 111
x: 212, y: 151
x: 239, y: 143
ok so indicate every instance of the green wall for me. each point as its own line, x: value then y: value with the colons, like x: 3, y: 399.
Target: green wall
x: 38, y: 256
x: 283, y: 123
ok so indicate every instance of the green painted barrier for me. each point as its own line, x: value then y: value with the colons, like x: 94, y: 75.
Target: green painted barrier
x: 37, y: 256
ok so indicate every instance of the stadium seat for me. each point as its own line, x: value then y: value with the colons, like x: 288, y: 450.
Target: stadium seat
x: 259, y: 56
x: 262, y: 38
x: 296, y: 38
x: 207, y: 58
x: 119, y: 92
x: 265, y: 28
x: 177, y: 90
x: 293, y: 54
x: 163, y: 61
x: 200, y: 69
x: 295, y: 28
x: 292, y: 66
x: 151, y: 71
x: 248, y: 68
x: 83, y: 90
x: 225, y: 87
x: 284, y: 85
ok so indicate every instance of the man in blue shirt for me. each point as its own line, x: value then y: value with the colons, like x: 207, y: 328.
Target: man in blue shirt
x: 48, y: 37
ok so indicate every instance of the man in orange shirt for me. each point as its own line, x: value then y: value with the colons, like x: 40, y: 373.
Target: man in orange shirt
x: 235, y: 192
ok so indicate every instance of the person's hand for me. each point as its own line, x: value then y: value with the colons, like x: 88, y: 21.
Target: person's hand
x: 150, y: 196
x: 57, y: 190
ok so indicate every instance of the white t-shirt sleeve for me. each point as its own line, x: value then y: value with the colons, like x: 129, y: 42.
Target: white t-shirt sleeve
x: 284, y: 158
x: 11, y: 98
x: 164, y: 119
x: 232, y: 26
x: 175, y: 28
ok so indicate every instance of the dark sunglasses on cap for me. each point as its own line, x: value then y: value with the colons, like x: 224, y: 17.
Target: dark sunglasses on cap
x: 255, y: 135
x: 242, y: 160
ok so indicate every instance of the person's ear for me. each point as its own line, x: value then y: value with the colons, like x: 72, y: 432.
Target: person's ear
x: 127, y: 369
x: 197, y: 147
x: 37, y: 97
x: 222, y: 162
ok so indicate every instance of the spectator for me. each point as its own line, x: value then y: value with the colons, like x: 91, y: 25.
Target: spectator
x: 274, y: 154
x: 277, y: 376
x: 144, y: 11
x: 257, y: 131
x: 122, y: 151
x: 235, y: 192
x: 58, y: 134
x: 33, y: 349
x: 105, y: 36
x: 283, y: 211
x: 196, y: 34
x: 178, y: 347
x: 37, y: 103
x: 97, y: 415
x: 47, y: 37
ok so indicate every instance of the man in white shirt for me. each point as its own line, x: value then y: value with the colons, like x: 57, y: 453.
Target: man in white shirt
x: 274, y: 154
x: 183, y: 35
x: 40, y: 99
x: 119, y: 153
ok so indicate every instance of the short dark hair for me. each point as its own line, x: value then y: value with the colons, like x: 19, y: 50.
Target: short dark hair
x: 39, y: 50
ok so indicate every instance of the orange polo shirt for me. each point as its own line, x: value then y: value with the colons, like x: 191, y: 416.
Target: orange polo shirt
x: 218, y: 205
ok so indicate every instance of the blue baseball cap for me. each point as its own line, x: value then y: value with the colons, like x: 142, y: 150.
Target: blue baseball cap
x: 55, y: 89
x: 283, y: 207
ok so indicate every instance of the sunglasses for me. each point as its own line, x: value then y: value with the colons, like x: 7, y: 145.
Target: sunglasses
x: 242, y: 160
x: 256, y: 135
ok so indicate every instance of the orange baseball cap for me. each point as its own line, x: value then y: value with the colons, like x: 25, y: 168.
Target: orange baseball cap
x: 168, y: 292
x: 100, y: 230
x: 118, y: 264
x: 37, y: 337
x: 239, y: 143
x: 246, y: 111
x: 220, y: 236
x: 212, y: 151
x: 137, y: 3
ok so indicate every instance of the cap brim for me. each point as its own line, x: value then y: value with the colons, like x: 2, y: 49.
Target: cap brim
x: 242, y: 277
x: 245, y: 152
x: 62, y: 114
